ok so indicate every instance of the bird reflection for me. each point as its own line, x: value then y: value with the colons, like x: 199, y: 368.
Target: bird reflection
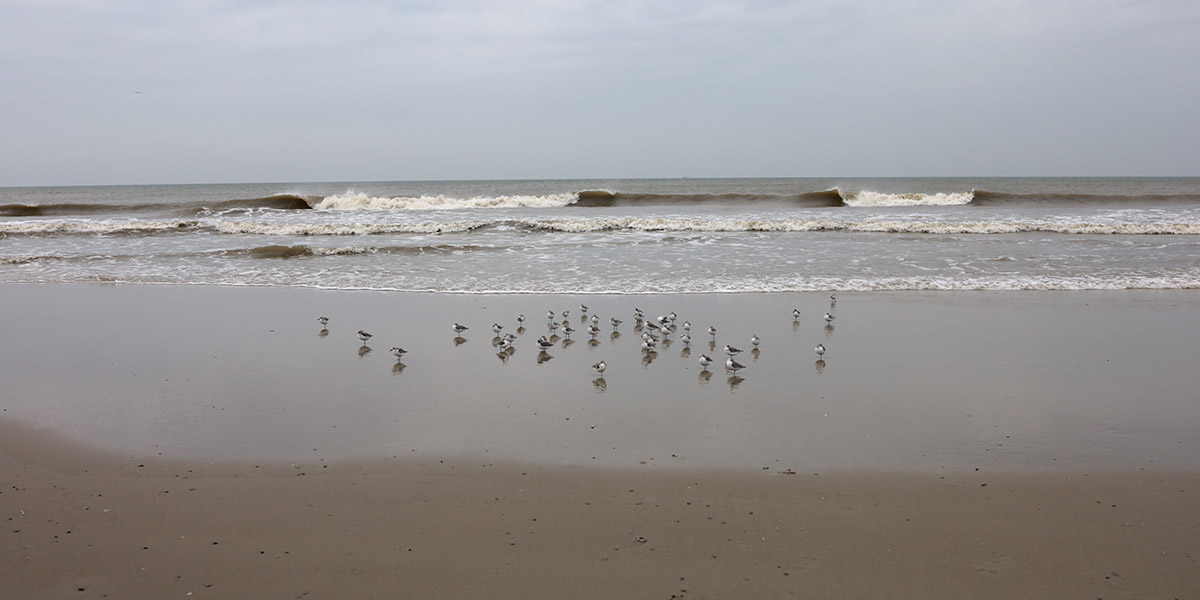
x: 600, y: 384
x: 521, y: 330
x: 398, y: 368
x: 648, y: 357
x: 829, y: 330
x: 566, y: 343
x: 754, y: 353
x: 460, y: 340
x: 734, y: 381
x: 686, y: 352
x: 543, y: 356
x: 614, y: 335
x: 363, y: 350
x: 705, y: 376
x: 820, y: 365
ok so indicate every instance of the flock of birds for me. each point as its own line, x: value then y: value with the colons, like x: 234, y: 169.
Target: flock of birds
x: 653, y: 332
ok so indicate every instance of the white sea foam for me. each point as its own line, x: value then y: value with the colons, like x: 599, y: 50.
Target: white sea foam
x: 360, y: 201
x: 95, y: 227
x: 294, y: 229
x: 875, y: 199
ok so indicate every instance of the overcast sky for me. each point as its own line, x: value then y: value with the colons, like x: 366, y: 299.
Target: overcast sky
x: 98, y: 92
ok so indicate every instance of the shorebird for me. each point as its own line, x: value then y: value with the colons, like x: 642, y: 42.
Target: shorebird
x: 686, y: 339
x: 733, y: 365
x: 550, y: 315
x: 595, y: 319
x: 730, y: 350
x: 324, y: 321
x: 648, y: 344
x: 520, y: 320
x: 399, y: 352
x: 565, y: 314
x: 672, y: 316
x: 705, y: 360
x: 593, y: 330
x: 567, y: 329
x: 364, y: 336
x: 496, y: 327
x: 583, y: 308
x: 615, y: 322
x: 687, y: 326
x: 795, y: 313
x: 460, y: 328
x: 638, y: 314
x: 833, y: 298
x: 754, y: 339
x: 828, y: 318
x: 712, y: 331
x: 544, y: 344
x: 820, y: 349
x: 600, y: 367
x: 504, y: 344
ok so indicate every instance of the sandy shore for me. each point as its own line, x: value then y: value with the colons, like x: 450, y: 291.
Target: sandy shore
x: 163, y: 441
x: 83, y: 525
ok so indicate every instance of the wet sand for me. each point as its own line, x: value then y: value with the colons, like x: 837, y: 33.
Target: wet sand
x: 161, y: 441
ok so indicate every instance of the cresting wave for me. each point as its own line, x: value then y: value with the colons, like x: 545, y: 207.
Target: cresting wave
x: 584, y: 225
x: 358, y: 201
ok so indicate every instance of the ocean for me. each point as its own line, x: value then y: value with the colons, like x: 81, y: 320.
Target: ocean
x: 641, y: 236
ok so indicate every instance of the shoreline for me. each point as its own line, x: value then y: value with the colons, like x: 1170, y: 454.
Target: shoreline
x: 210, y: 442
x: 83, y: 524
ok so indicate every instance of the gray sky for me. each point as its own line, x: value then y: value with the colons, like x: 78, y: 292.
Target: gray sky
x: 98, y: 92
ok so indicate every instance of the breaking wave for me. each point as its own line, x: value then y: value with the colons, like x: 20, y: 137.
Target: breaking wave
x: 359, y: 201
x: 877, y: 199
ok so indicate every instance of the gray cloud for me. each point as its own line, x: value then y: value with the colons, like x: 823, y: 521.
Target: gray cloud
x: 252, y: 91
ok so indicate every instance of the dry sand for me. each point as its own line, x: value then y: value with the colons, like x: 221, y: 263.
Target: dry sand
x: 79, y: 524
x: 157, y: 442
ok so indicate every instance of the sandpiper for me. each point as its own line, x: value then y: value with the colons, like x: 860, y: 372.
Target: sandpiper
x: 755, y: 340
x: 323, y: 321
x: 460, y: 328
x: 733, y: 365
x: 828, y: 318
x: 820, y: 349
x: 730, y: 350
x: 364, y: 336
x: 399, y: 352
x: 600, y: 367
x: 705, y: 360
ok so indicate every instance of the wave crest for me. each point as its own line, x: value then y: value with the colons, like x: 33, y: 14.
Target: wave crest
x: 879, y: 199
x: 359, y: 201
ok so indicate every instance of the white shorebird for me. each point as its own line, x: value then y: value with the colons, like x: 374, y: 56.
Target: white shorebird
x: 730, y: 350
x: 648, y: 344
x: 687, y: 326
x: 364, y: 336
x: 615, y: 322
x: 600, y: 367
x: 593, y: 330
x: 712, y: 331
x: 686, y: 339
x: 638, y: 314
x: 820, y: 349
x: 595, y: 319
x: 567, y: 329
x: 672, y: 316
x: 544, y: 344
x: 755, y: 340
x: 583, y: 308
x: 795, y: 313
x: 705, y: 360
x: 565, y: 314
x: 504, y: 343
x: 550, y: 315
x: 833, y: 298
x: 733, y: 365
x: 323, y: 321
x: 828, y: 318
x: 460, y: 328
x: 496, y: 327
x: 399, y: 352
x: 520, y: 320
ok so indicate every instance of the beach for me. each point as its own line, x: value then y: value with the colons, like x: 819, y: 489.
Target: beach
x: 167, y: 440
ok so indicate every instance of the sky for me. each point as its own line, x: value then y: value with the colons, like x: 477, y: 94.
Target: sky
x: 213, y: 91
